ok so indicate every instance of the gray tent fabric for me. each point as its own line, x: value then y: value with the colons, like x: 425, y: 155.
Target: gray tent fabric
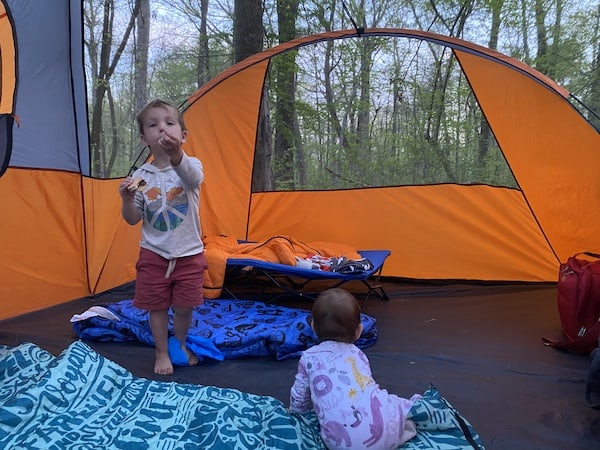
x: 48, y: 74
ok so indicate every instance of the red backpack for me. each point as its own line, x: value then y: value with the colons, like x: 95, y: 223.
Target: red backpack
x: 579, y: 304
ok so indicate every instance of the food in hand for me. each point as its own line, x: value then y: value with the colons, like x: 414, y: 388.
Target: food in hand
x: 137, y: 184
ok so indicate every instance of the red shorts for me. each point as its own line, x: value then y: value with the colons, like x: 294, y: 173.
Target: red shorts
x: 183, y: 287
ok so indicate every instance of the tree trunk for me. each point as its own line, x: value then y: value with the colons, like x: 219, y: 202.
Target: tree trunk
x: 485, y: 133
x: 106, y: 68
x: 287, y: 143
x: 141, y: 59
x: 248, y: 30
x: 364, y: 104
x: 248, y: 35
x: 524, y: 31
x: 594, y: 97
x: 438, y: 98
x: 203, y: 51
x: 114, y: 137
x: 554, y: 49
x: 100, y: 83
x: 542, y: 37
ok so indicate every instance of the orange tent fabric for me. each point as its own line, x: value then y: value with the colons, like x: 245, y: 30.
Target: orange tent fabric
x: 446, y: 231
x: 62, y: 236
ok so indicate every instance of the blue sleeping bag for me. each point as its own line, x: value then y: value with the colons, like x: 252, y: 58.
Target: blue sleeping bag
x: 221, y: 329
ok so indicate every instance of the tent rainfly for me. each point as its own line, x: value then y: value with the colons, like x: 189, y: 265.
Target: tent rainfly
x: 62, y: 236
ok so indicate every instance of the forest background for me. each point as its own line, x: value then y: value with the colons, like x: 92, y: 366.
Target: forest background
x: 373, y: 112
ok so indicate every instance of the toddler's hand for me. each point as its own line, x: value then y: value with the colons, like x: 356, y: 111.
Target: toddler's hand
x: 169, y: 143
x: 124, y: 192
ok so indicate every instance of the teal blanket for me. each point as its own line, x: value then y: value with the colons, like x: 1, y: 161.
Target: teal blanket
x: 82, y: 400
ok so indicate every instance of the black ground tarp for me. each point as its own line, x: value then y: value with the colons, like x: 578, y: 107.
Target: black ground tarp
x: 480, y: 345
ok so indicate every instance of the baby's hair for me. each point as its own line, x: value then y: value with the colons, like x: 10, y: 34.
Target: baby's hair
x: 158, y: 103
x: 336, y: 315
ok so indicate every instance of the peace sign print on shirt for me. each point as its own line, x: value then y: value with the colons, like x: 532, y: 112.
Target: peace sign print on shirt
x: 167, y: 213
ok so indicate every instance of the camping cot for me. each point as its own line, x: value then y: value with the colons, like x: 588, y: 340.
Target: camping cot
x: 296, y: 280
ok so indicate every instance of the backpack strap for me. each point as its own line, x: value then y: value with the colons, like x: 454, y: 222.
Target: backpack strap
x: 583, y: 345
x: 592, y: 254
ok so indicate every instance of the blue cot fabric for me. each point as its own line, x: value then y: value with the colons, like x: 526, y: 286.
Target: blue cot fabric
x: 82, y: 400
x: 237, y: 328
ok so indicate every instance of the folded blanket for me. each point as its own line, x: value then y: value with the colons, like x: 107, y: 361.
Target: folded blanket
x: 237, y: 328
x: 82, y: 400
x: 277, y: 249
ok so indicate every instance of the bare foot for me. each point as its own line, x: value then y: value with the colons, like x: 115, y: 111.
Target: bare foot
x: 163, y: 364
x: 192, y: 358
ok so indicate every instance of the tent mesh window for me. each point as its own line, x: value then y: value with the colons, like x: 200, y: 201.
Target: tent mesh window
x: 375, y: 111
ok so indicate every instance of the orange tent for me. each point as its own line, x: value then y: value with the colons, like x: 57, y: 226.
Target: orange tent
x: 442, y: 231
x: 62, y: 236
